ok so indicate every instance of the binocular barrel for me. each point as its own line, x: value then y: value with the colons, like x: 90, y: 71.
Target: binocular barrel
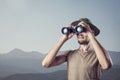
x: 77, y: 30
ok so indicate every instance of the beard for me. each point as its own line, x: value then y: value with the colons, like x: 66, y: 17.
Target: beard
x: 83, y: 42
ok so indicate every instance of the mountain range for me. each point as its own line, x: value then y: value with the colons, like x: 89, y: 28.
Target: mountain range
x: 18, y: 63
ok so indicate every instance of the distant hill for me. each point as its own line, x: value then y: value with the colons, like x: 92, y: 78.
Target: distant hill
x: 20, y: 62
x: 112, y: 74
x: 115, y: 57
x: 57, y: 75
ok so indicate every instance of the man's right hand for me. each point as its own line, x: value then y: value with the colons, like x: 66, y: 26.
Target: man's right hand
x: 68, y: 36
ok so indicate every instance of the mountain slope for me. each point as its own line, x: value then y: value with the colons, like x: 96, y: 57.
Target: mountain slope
x: 115, y: 57
x: 58, y: 75
x: 18, y: 61
x: 112, y: 74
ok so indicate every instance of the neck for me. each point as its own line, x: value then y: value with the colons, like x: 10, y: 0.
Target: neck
x: 85, y: 47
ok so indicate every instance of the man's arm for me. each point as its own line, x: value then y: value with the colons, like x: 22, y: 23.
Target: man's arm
x: 58, y: 60
x: 51, y: 56
x: 103, y: 58
x: 51, y: 59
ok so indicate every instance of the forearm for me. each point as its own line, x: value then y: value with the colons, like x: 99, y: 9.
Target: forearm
x: 100, y: 52
x: 50, y: 57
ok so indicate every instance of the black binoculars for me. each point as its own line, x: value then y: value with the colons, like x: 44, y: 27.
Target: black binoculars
x: 76, y: 29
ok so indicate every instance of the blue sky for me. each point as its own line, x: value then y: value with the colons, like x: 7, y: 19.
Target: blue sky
x: 35, y: 25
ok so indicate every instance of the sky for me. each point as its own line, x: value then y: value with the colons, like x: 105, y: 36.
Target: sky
x: 35, y: 25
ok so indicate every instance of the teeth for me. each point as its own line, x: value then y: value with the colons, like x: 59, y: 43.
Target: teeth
x: 80, y: 35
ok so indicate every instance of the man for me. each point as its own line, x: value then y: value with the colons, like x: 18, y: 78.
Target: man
x: 86, y: 62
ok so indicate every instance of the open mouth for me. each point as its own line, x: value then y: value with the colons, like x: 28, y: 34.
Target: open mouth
x: 80, y: 35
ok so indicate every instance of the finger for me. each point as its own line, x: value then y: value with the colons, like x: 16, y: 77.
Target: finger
x: 70, y: 26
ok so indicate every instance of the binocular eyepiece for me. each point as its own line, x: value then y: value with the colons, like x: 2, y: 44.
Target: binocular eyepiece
x: 77, y: 30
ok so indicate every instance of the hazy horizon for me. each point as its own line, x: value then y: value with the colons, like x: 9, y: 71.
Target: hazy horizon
x: 35, y: 25
x: 38, y: 51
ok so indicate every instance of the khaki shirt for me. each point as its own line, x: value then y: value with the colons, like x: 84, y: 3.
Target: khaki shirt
x: 83, y: 66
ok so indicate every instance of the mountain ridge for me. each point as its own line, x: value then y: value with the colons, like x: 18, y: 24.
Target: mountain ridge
x: 111, y: 74
x: 19, y: 61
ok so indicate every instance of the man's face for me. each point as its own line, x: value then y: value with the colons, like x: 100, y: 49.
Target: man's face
x: 83, y: 37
